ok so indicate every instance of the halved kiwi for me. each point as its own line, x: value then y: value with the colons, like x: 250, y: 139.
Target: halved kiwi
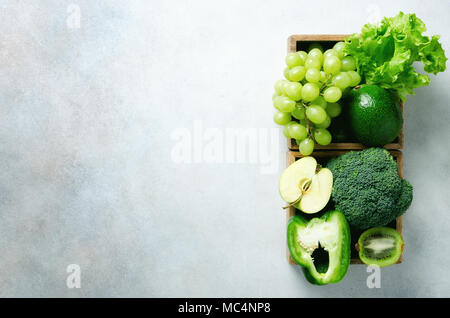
x: 380, y: 246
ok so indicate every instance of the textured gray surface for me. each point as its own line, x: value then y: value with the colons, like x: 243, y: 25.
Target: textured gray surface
x: 86, y: 171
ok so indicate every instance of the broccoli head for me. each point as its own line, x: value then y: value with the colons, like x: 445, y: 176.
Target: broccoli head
x: 368, y: 189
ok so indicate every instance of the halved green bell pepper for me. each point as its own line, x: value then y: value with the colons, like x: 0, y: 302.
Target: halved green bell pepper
x: 327, y: 239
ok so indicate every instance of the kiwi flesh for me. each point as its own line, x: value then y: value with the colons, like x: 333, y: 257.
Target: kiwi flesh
x: 381, y: 246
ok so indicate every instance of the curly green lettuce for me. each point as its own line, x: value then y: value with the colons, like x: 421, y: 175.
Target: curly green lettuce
x: 385, y: 52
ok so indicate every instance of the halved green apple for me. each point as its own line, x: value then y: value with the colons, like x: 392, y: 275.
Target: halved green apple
x: 306, y: 185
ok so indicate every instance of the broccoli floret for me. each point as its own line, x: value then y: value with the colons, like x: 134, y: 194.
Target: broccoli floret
x: 368, y: 189
x: 405, y: 199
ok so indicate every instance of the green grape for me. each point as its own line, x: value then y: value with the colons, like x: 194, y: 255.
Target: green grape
x: 293, y: 59
x: 320, y: 101
x: 334, y: 110
x: 284, y: 104
x: 316, y: 114
x: 304, y: 121
x: 281, y: 118
x: 322, y: 136
x: 292, y: 122
x: 313, y: 63
x: 297, y: 131
x: 348, y: 63
x: 298, y: 112
x: 332, y: 94
x: 303, y: 55
x: 355, y: 78
x: 316, y: 53
x: 298, y: 141
x: 310, y: 91
x: 315, y: 45
x: 330, y: 52
x: 323, y: 77
x: 279, y: 86
x: 312, y: 75
x: 339, y: 48
x: 293, y: 90
x: 277, y: 101
x: 288, y: 125
x: 274, y: 95
x: 332, y: 65
x: 342, y: 80
x: 286, y: 73
x: 284, y: 86
x: 325, y: 124
x: 306, y: 147
x: 296, y: 74
x: 286, y: 132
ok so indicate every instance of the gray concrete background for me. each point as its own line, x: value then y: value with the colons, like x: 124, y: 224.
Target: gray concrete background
x: 87, y: 174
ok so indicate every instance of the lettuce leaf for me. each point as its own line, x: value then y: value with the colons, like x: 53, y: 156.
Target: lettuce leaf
x: 385, y: 53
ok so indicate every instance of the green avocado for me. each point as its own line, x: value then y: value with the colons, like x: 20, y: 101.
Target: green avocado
x: 374, y: 115
x: 321, y: 246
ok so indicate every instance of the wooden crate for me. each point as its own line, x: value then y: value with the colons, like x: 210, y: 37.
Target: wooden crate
x: 298, y: 42
x: 292, y: 156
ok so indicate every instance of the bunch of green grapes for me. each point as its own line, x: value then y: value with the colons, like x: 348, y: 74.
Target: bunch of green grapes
x: 307, y: 99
